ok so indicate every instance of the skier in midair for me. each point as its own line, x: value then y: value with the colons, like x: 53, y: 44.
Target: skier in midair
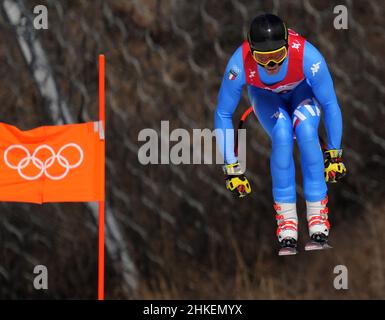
x: 288, y: 85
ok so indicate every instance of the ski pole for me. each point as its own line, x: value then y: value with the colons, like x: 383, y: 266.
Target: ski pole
x: 243, y: 119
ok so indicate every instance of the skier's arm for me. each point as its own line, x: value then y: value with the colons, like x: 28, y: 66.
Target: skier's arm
x: 319, y: 78
x: 228, y: 99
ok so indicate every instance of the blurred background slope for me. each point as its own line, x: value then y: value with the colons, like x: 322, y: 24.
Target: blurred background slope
x: 177, y: 233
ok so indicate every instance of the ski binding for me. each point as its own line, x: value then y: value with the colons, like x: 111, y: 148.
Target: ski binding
x: 288, y: 247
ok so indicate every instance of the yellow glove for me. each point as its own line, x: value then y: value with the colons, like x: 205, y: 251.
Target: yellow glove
x: 334, y: 167
x: 236, y: 181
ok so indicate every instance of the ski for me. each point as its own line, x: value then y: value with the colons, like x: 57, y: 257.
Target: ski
x: 287, y: 251
x: 313, y: 245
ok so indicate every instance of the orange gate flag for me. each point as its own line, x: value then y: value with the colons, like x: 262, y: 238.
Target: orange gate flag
x: 61, y: 163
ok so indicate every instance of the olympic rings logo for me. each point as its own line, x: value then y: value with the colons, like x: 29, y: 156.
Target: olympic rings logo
x: 43, y: 166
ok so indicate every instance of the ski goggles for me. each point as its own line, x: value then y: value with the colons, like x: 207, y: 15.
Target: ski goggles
x: 264, y: 58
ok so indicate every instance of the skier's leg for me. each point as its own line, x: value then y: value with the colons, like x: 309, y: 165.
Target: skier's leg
x: 271, y: 112
x: 306, y: 117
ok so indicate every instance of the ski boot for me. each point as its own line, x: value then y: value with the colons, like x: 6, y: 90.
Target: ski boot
x: 319, y: 225
x: 287, y: 228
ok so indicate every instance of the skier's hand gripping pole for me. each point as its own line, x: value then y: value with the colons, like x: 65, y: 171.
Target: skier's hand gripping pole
x: 334, y: 166
x: 236, y: 181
